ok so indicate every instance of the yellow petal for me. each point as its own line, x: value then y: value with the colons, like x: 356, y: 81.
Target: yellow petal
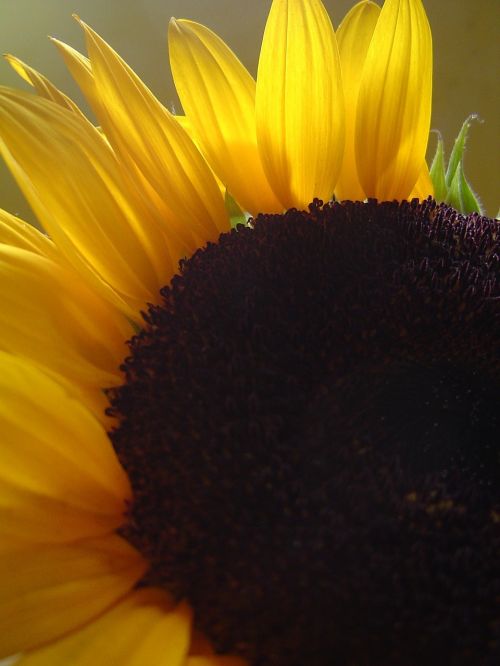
x: 423, y: 188
x: 180, y: 237
x: 218, y: 96
x: 47, y: 591
x: 42, y: 85
x: 80, y: 69
x: 72, y: 180
x: 94, y: 400
x: 18, y: 233
x: 147, y: 137
x: 299, y: 103
x: 353, y: 37
x: 187, y: 126
x: 49, y: 315
x: 143, y: 630
x: 394, y: 101
x: 60, y: 479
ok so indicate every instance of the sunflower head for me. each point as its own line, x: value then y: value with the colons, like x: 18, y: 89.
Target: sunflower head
x: 309, y: 459
x: 272, y: 445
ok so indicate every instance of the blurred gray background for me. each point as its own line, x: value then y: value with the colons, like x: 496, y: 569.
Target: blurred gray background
x: 466, y: 60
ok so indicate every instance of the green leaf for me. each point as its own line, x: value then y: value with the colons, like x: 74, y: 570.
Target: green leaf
x: 437, y: 171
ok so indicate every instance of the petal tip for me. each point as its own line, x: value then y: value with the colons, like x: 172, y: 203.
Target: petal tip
x: 80, y: 21
x: 173, y: 24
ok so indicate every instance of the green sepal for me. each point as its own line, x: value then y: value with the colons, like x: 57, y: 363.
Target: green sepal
x: 450, y: 184
x: 460, y: 194
x: 236, y: 215
x: 437, y: 171
x: 457, y: 154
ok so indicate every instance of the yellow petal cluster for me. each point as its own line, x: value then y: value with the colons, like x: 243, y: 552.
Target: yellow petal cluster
x: 345, y: 113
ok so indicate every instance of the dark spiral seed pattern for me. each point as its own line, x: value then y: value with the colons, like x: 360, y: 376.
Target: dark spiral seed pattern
x: 310, y: 422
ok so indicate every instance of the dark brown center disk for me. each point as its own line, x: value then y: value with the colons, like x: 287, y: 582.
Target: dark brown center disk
x: 310, y: 422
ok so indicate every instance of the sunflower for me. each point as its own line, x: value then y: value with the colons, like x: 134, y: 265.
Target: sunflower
x: 272, y: 444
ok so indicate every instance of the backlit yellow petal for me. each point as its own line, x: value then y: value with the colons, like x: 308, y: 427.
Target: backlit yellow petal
x: 80, y: 69
x: 394, y: 101
x: 180, y: 238
x: 187, y: 126
x: 423, y: 188
x: 41, y: 84
x: 299, y: 103
x: 18, y: 233
x: 148, y: 139
x: 60, y: 479
x: 72, y: 180
x: 353, y: 37
x: 48, y: 314
x: 143, y: 630
x: 46, y: 591
x: 218, y: 96
x: 94, y: 400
